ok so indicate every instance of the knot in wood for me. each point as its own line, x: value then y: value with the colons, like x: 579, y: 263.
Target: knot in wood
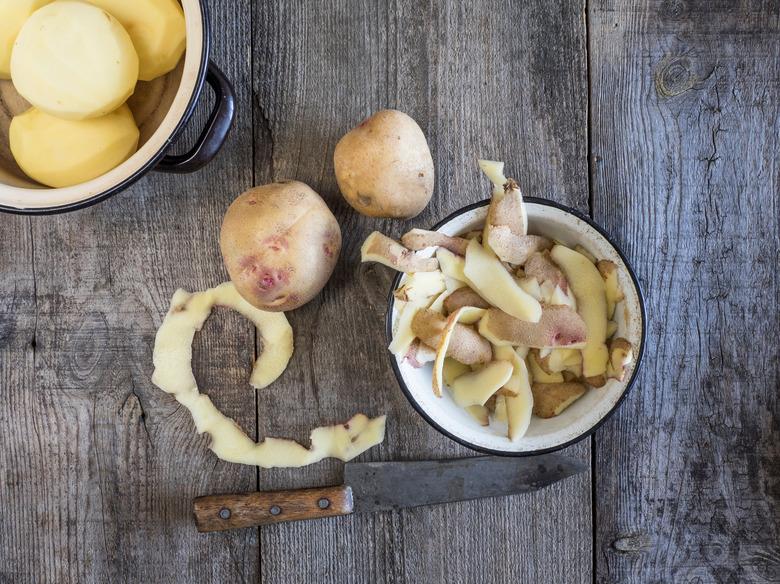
x: 674, y: 75
x: 631, y: 543
x: 674, y: 10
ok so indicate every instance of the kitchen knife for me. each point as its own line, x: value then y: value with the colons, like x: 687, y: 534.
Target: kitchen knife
x: 382, y: 486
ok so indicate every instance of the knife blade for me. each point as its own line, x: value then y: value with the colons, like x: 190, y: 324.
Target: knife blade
x: 383, y: 486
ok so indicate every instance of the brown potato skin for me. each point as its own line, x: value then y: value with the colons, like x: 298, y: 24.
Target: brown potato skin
x: 464, y: 297
x: 559, y: 326
x: 280, y: 243
x: 384, y: 167
x: 466, y: 346
x: 548, y: 397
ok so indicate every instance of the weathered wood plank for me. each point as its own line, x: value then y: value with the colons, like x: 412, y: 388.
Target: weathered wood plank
x: 17, y: 326
x: 494, y: 79
x: 686, y: 130
x: 100, y: 467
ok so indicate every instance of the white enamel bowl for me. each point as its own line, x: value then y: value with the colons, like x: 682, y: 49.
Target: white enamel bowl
x: 586, y: 414
x: 161, y: 108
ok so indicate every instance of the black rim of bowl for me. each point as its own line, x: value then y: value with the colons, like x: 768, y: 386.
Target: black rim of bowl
x: 586, y: 433
x: 152, y: 162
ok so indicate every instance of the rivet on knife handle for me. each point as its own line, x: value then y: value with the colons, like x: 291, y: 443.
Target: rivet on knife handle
x: 221, y: 512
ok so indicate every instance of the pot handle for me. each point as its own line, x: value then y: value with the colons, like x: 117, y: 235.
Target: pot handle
x: 214, y: 134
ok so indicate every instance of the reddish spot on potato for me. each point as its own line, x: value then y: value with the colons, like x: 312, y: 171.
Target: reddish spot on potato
x: 327, y: 250
x: 251, y: 202
x: 269, y: 280
x: 276, y: 243
x: 265, y: 278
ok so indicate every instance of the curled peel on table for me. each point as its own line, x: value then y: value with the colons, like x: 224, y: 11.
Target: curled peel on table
x: 173, y: 374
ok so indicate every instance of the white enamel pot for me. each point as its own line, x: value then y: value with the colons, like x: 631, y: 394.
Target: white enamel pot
x: 161, y: 109
x: 586, y: 414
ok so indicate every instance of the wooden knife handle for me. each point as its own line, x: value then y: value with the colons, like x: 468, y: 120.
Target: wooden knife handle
x: 221, y: 512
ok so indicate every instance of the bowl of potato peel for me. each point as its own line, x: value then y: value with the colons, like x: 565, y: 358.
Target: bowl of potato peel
x: 515, y: 326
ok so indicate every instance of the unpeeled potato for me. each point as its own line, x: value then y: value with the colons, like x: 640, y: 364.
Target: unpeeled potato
x: 13, y: 14
x: 156, y: 28
x: 384, y: 167
x: 280, y: 243
x: 74, y: 61
x: 62, y: 153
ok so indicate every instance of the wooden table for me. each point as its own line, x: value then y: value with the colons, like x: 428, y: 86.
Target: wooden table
x: 660, y: 118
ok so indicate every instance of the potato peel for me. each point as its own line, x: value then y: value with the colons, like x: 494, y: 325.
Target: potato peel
x: 464, y: 296
x: 173, y: 374
x: 465, y: 315
x: 609, y: 271
x: 419, y: 239
x: 520, y: 407
x: 381, y: 249
x: 550, y: 399
x: 480, y: 414
x: 420, y: 287
x: 438, y: 304
x: 489, y: 279
x: 507, y: 214
x: 512, y: 248
x: 588, y: 287
x: 187, y: 314
x: 451, y: 264
x: 466, y: 345
x: 559, y: 326
x: 494, y: 170
x: 403, y: 335
x: 621, y: 354
x: 477, y: 387
x: 507, y: 353
x: 416, y: 292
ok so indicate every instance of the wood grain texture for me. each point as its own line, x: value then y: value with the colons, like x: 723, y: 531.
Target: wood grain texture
x: 233, y: 511
x: 99, y: 467
x: 685, y: 134
x: 480, y: 79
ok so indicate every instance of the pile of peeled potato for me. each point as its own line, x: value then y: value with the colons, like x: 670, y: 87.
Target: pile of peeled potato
x: 515, y: 324
x: 77, y: 62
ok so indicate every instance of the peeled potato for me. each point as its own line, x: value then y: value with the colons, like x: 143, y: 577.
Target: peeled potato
x: 13, y: 14
x: 74, y: 61
x: 280, y: 243
x: 62, y: 153
x: 384, y: 166
x: 156, y: 28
